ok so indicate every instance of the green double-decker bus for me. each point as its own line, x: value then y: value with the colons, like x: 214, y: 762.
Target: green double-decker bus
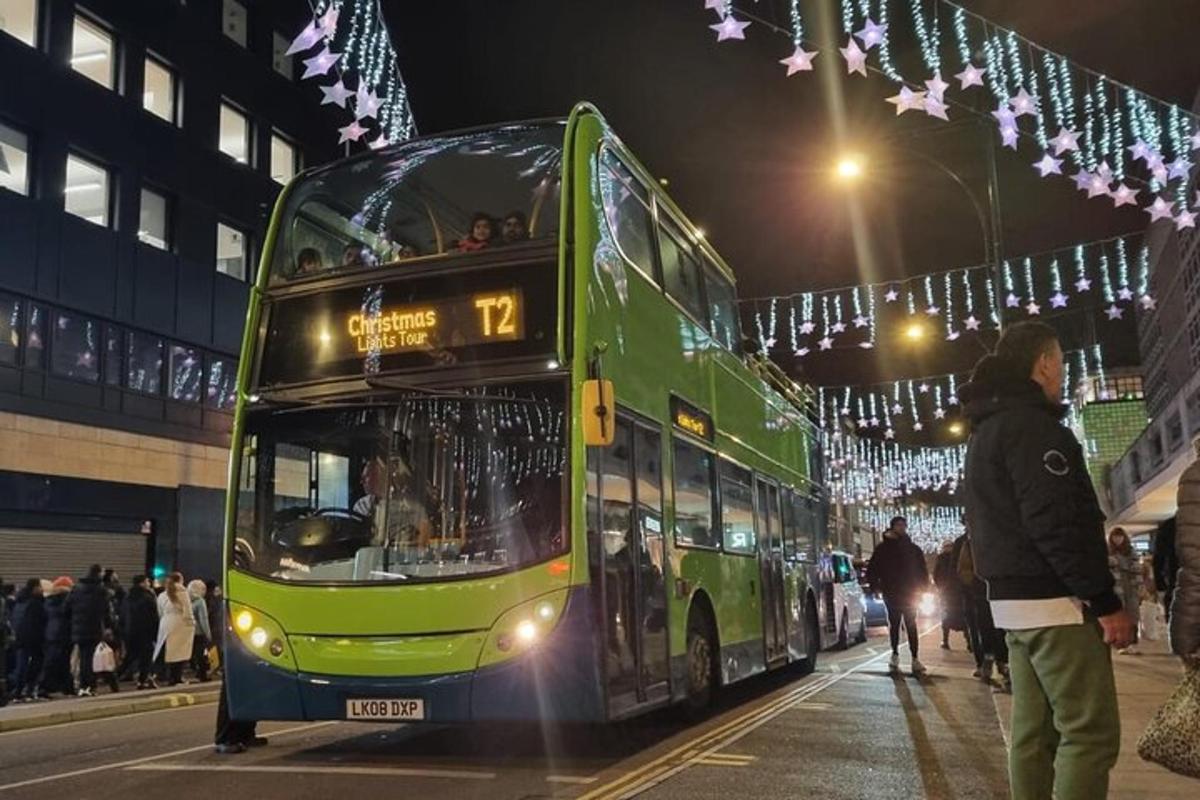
x: 500, y: 451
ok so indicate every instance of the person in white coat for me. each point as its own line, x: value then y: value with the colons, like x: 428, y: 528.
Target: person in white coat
x: 176, y: 627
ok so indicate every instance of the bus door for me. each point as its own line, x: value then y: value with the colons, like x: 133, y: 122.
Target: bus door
x: 632, y: 578
x: 770, y: 560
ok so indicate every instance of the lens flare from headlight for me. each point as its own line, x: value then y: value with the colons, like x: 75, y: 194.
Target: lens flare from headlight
x: 243, y: 621
x: 928, y: 604
x: 258, y: 638
x: 527, y: 632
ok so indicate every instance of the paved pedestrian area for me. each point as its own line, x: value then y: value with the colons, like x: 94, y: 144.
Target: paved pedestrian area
x: 851, y: 730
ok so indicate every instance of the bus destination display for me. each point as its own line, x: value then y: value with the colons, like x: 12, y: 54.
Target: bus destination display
x: 457, y: 322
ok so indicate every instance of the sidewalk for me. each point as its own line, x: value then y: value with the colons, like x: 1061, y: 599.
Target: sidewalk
x: 1143, y: 683
x: 21, y: 716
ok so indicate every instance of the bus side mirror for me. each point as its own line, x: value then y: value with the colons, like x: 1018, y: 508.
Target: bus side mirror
x: 596, y: 407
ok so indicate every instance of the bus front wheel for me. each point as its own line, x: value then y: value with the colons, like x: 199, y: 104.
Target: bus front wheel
x: 701, y: 664
x: 812, y: 640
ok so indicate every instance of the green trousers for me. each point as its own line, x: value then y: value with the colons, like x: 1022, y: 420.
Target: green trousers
x: 1066, y: 731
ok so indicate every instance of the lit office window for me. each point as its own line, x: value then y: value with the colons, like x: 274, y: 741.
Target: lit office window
x: 185, y: 369
x: 283, y: 159
x: 154, y: 220
x: 75, y: 347
x: 86, y: 192
x: 232, y: 252
x: 19, y: 18
x: 159, y: 92
x: 92, y: 51
x: 144, y: 363
x: 284, y: 64
x: 10, y: 328
x: 235, y: 134
x: 222, y: 383
x: 233, y: 21
x: 14, y: 160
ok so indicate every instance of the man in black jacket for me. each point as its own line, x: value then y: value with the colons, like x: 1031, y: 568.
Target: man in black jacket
x: 89, y: 610
x: 139, y: 618
x: 1037, y: 536
x: 897, y: 570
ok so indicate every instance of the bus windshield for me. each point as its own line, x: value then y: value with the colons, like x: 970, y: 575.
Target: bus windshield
x: 423, y: 488
x: 454, y: 194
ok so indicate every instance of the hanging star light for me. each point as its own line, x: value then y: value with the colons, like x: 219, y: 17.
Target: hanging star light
x: 897, y: 409
x: 971, y: 76
x: 351, y: 133
x: 715, y: 5
x: 952, y: 336
x: 366, y: 103
x: 1160, y: 209
x: 1179, y: 168
x: 1098, y: 186
x: 321, y: 63
x: 1124, y: 196
x: 838, y: 327
x: 1032, y: 308
x: 1005, y: 116
x: 1083, y: 284
x: 803, y: 351
x: 856, y: 58
x: 923, y: 388
x: 329, y: 22
x: 1148, y: 302
x: 1048, y: 165
x: 1104, y: 171
x: 889, y: 434
x: 1125, y: 293
x: 971, y: 323
x: 1058, y: 300
x: 799, y: 61
x: 1185, y: 219
x: 917, y: 426
x: 1196, y: 140
x: 1012, y: 301
x: 859, y: 321
x: 1139, y: 150
x: 337, y: 94
x: 1065, y: 140
x: 1025, y: 103
x: 378, y: 142
x: 907, y: 100
x: 866, y: 345
x: 730, y: 28
x: 891, y: 296
x: 933, y: 311
x: 807, y: 327
x: 871, y: 34
x: 936, y: 86
x: 1008, y: 136
x: 939, y: 413
x: 1113, y: 312
x: 935, y: 107
x: 1083, y: 180
x: 306, y: 40
x: 825, y: 343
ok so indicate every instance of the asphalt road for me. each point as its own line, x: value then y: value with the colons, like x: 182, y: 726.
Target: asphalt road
x: 848, y: 731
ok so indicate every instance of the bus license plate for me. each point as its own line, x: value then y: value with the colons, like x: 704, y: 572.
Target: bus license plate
x: 387, y: 708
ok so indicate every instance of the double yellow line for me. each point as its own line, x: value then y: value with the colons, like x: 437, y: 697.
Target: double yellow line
x: 702, y: 749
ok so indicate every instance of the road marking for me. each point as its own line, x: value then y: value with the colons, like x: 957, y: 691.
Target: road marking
x: 576, y: 779
x: 61, y: 725
x: 726, y: 760
x: 134, y: 761
x: 813, y: 706
x: 414, y: 772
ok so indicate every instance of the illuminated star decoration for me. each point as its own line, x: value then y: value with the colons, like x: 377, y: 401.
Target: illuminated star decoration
x: 1113, y: 312
x: 1058, y: 300
x: 933, y: 311
x: 951, y: 400
x: 321, y: 63
x: 871, y: 34
x: 1124, y: 293
x: 329, y: 22
x: 1008, y: 136
x: 825, y: 343
x: 379, y: 141
x: 866, y: 345
x: 936, y: 86
x: 1179, y: 168
x: 366, y: 103
x: 716, y: 5
x: 1105, y: 172
x: 1032, y: 308
x: 1147, y: 302
x: 1005, y: 116
x: 971, y: 76
x: 1185, y: 219
x: 1098, y: 186
x: 939, y: 413
x: 862, y: 423
x: 923, y: 388
x: 1025, y: 103
x: 307, y: 38
x: 889, y: 434
x: 1196, y: 140
x: 952, y: 336
x: 1083, y: 180
x: 802, y: 352
x: 730, y: 28
x: 897, y: 409
x: 860, y: 321
x: 1048, y: 165
x: 1139, y: 151
x: 918, y: 426
x: 856, y: 58
x: 838, y: 327
x: 1012, y: 301
x: 1083, y: 285
x: 337, y: 94
x: 351, y: 133
x: 1159, y: 209
x: 799, y: 61
x: 907, y: 100
x: 891, y: 296
x: 936, y: 107
x: 1124, y: 196
x: 1064, y: 141
x: 971, y: 323
x: 807, y: 327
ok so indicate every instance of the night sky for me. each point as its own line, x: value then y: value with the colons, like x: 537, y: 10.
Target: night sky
x: 747, y: 151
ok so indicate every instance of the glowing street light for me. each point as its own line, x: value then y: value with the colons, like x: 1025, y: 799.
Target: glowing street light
x: 849, y: 167
x: 956, y: 428
x: 914, y: 332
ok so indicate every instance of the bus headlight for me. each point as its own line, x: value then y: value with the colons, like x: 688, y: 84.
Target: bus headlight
x: 527, y: 632
x: 258, y: 638
x: 523, y: 627
x: 262, y: 636
x: 244, y: 621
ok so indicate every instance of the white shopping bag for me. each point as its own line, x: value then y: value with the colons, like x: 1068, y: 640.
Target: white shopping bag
x: 1149, y: 619
x: 104, y: 660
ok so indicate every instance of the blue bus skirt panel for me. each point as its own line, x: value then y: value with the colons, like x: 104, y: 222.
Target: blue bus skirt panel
x: 558, y: 679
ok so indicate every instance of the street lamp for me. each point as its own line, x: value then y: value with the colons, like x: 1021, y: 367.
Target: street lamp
x: 914, y: 331
x: 956, y: 428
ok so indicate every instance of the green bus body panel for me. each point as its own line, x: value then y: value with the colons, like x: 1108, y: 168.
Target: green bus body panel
x: 653, y: 350
x: 390, y: 610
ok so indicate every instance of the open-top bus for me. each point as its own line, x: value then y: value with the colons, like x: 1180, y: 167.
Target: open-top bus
x: 529, y: 476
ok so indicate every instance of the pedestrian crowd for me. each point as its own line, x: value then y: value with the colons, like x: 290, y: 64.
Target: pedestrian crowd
x: 64, y: 636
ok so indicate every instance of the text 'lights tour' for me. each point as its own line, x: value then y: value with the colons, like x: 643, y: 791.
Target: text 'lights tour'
x: 494, y: 316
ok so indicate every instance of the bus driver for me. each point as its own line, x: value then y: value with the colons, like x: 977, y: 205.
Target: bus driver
x: 407, y: 519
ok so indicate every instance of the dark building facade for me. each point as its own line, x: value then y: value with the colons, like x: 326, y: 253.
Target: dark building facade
x: 142, y: 146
